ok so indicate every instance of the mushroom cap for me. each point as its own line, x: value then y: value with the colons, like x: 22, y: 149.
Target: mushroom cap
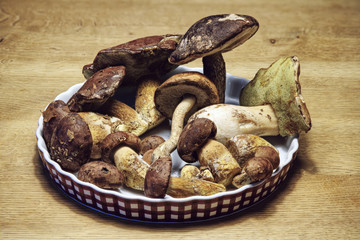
x: 170, y: 93
x: 54, y: 112
x: 258, y: 168
x: 279, y: 86
x: 158, y: 177
x: 150, y: 142
x: 114, y: 141
x: 212, y: 34
x: 270, y: 153
x: 143, y: 56
x: 244, y: 146
x: 97, y: 89
x: 101, y: 174
x: 193, y: 137
x: 71, y: 142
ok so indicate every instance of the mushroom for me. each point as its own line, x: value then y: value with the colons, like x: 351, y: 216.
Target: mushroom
x: 71, y: 142
x: 97, y: 89
x: 209, y: 38
x: 255, y: 169
x: 141, y: 57
x: 101, y: 174
x: 147, y: 146
x: 272, y: 102
x: 177, y: 98
x: 191, y: 171
x: 157, y: 178
x: 76, y: 137
x: 245, y: 146
x: 121, y: 148
x: 150, y: 142
x: 52, y: 115
x: 196, y: 143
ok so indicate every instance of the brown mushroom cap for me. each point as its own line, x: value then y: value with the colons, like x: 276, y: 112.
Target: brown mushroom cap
x: 115, y: 140
x: 217, y: 33
x: 97, y: 89
x: 101, y: 174
x: 193, y: 137
x: 143, y: 56
x: 150, y: 142
x: 157, y: 178
x: 270, y: 153
x: 170, y: 93
x: 71, y: 142
x: 258, y: 168
x: 54, y: 112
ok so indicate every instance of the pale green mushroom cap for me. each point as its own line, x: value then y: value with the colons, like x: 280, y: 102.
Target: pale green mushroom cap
x: 279, y: 86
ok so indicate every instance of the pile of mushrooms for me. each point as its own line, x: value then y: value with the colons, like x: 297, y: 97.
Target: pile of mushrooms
x: 102, y: 140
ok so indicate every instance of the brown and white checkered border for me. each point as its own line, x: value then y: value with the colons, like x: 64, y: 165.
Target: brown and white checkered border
x: 166, y: 211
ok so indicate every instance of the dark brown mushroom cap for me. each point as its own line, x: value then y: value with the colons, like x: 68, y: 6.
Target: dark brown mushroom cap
x: 101, y: 174
x: 150, y: 142
x: 71, y: 142
x: 97, y: 89
x: 193, y: 137
x: 217, y: 33
x: 157, y: 178
x: 170, y: 93
x: 270, y: 153
x: 54, y: 112
x: 258, y: 168
x: 115, y: 140
x: 143, y: 56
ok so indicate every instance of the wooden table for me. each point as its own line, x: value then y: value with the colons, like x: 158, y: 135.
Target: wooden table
x: 44, y: 44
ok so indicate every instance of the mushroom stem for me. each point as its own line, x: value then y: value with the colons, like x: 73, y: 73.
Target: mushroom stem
x: 132, y: 166
x: 214, y: 69
x: 177, y: 125
x: 257, y: 120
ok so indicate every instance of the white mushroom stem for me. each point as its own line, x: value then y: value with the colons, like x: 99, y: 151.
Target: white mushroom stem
x: 132, y: 166
x: 257, y: 120
x: 177, y: 125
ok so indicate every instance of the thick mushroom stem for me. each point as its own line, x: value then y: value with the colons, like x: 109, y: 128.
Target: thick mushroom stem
x: 220, y: 161
x: 214, y: 69
x: 177, y: 125
x: 258, y: 120
x: 132, y: 166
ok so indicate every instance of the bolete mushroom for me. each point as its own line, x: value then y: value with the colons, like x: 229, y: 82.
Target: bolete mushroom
x: 209, y: 38
x: 147, y: 146
x: 272, y: 102
x: 157, y: 178
x: 102, y: 174
x: 71, y: 142
x: 177, y: 98
x: 255, y: 169
x: 245, y: 146
x: 196, y: 143
x: 191, y: 171
x: 75, y: 137
x: 141, y: 57
x: 121, y: 148
x: 97, y: 89
x: 52, y: 115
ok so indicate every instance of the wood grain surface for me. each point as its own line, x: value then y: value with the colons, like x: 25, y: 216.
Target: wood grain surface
x: 44, y: 44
